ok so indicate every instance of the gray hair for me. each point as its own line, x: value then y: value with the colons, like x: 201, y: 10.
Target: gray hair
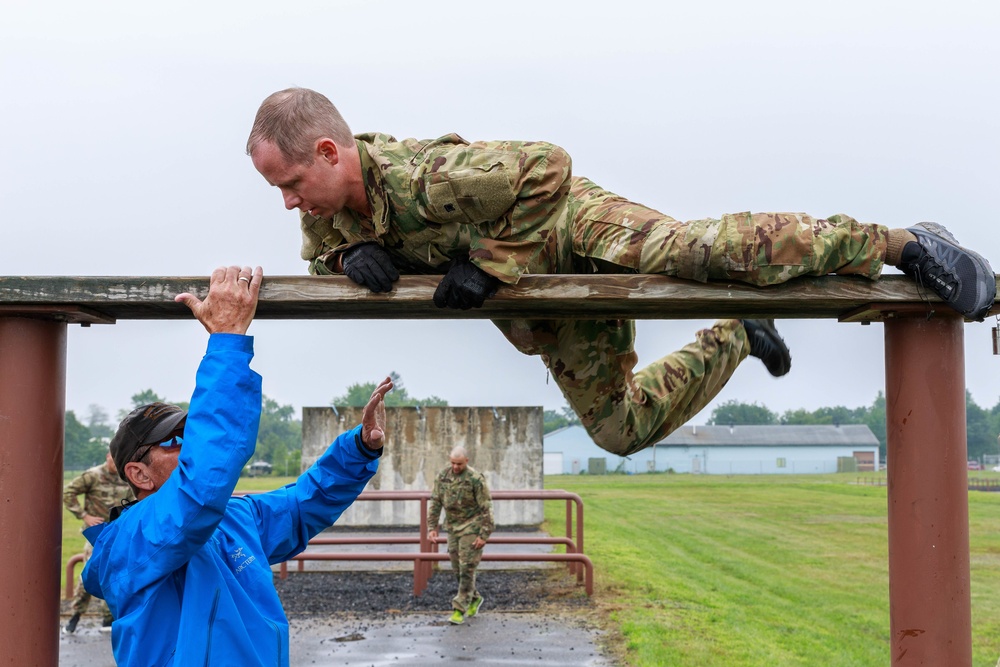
x: 294, y: 118
x: 458, y: 451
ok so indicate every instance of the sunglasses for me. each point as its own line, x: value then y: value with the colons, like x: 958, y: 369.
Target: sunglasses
x: 170, y: 443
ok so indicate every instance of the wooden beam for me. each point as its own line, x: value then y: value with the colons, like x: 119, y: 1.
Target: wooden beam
x: 105, y: 299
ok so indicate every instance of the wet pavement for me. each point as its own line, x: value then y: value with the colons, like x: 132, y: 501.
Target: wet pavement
x: 490, y: 639
x: 524, y: 625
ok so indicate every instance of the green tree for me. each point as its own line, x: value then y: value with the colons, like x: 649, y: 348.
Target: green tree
x: 735, y: 412
x: 357, y: 395
x: 99, y: 423
x: 279, y: 438
x: 833, y: 416
x: 874, y: 418
x: 981, y: 438
x: 141, y: 398
x: 553, y: 419
x: 80, y: 449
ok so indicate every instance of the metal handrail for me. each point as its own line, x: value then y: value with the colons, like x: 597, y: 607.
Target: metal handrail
x: 423, y: 559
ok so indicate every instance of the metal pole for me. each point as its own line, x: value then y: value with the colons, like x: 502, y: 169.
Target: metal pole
x: 929, y: 600
x: 32, y: 405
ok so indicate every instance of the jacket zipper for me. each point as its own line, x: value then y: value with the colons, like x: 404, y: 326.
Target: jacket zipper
x: 211, y: 623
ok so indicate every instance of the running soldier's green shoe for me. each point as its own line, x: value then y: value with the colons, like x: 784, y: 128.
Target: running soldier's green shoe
x: 456, y: 618
x: 477, y: 603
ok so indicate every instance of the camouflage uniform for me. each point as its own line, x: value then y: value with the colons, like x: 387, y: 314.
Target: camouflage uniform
x: 514, y: 208
x: 468, y: 514
x: 101, y: 490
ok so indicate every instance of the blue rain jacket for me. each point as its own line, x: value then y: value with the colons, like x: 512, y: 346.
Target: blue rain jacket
x: 186, y: 571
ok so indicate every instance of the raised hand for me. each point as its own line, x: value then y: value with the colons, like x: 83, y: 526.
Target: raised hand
x: 231, y: 301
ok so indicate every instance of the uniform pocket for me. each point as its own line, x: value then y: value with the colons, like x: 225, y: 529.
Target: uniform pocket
x: 471, y: 193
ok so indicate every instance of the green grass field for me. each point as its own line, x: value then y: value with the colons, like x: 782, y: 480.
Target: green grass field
x: 746, y: 570
x: 758, y: 570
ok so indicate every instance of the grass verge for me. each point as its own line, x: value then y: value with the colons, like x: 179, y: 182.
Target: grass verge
x: 758, y: 570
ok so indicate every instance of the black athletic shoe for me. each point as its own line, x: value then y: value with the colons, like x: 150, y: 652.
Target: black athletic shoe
x: 768, y: 346
x: 106, y: 625
x: 71, y: 626
x: 962, y: 278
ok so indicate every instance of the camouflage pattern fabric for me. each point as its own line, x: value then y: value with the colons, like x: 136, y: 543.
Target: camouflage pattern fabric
x: 445, y: 198
x: 464, y: 561
x: 465, y: 499
x: 468, y: 514
x: 102, y: 490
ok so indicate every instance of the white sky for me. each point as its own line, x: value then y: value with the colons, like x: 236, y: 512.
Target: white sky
x: 124, y: 125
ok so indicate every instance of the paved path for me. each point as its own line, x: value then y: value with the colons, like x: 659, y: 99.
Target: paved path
x: 491, y: 639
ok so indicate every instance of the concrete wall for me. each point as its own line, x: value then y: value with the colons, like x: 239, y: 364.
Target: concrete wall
x: 505, y: 444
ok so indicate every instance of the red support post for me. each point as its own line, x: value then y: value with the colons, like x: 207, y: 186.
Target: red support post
x: 32, y: 407
x: 928, y: 514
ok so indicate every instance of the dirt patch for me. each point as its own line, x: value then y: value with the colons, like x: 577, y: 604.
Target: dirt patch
x: 392, y: 592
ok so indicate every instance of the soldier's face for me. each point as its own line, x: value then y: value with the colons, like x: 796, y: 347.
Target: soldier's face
x: 458, y: 464
x: 314, y: 188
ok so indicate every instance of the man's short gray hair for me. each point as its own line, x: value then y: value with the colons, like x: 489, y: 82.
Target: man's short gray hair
x: 294, y: 118
x: 458, y: 451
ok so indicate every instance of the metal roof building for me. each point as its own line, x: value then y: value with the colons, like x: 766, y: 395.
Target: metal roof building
x: 723, y: 450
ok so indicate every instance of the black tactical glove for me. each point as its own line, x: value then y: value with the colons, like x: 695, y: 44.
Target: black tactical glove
x: 369, y: 265
x: 465, y: 286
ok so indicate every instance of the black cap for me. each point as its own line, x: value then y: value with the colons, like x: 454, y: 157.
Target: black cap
x: 146, y: 425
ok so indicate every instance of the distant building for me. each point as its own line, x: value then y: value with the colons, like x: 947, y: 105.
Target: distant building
x: 722, y: 450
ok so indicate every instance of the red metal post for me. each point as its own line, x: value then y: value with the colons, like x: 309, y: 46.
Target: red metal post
x: 32, y: 407
x: 70, y: 577
x: 929, y: 599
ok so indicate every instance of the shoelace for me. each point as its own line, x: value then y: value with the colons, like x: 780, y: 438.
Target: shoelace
x: 935, y: 272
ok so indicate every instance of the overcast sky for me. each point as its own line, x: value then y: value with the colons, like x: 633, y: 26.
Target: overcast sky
x: 124, y: 126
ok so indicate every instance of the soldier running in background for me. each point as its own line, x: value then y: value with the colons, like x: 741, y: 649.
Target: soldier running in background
x: 468, y: 517
x: 102, y: 489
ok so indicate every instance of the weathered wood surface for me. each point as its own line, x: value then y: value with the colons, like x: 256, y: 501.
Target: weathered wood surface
x: 105, y: 299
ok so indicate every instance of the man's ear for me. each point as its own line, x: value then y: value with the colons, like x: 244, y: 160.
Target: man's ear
x: 327, y: 150
x: 138, y: 474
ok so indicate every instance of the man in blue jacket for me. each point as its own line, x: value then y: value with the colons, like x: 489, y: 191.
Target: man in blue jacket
x: 186, y: 568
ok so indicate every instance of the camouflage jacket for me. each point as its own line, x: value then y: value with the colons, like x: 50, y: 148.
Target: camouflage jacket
x: 101, y: 489
x: 466, y: 501
x: 504, y: 204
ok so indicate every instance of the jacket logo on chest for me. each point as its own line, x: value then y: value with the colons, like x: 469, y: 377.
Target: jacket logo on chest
x: 242, y: 558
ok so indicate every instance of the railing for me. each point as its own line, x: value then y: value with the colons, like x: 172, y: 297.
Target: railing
x: 427, y: 554
x: 71, y: 575
x: 423, y: 559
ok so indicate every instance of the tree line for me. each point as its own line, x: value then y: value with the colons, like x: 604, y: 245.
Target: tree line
x: 279, y: 440
x: 982, y: 424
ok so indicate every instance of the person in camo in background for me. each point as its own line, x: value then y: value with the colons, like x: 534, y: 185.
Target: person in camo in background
x: 486, y: 213
x: 468, y: 517
x: 102, y: 489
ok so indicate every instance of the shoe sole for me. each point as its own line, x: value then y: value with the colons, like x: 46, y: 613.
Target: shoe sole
x: 766, y: 328
x: 933, y: 229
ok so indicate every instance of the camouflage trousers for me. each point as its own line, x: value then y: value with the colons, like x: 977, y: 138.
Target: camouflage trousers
x: 464, y: 561
x: 593, y: 362
x: 81, y: 598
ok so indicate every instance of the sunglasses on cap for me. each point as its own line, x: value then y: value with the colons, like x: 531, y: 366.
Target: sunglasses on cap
x: 170, y: 443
